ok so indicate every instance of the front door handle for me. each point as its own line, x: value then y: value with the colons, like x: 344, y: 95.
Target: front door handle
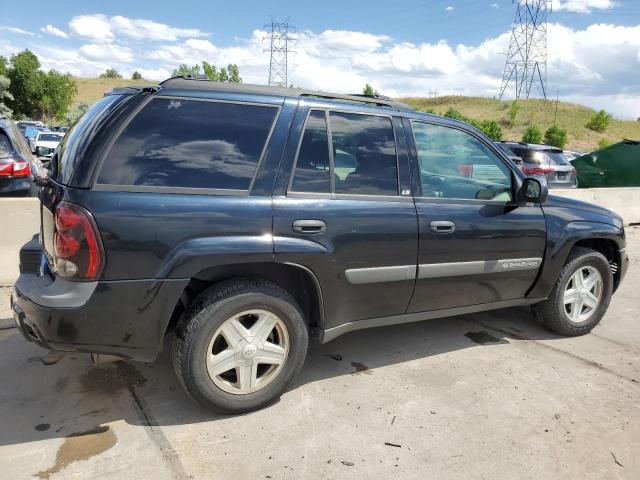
x: 442, y: 226
x: 309, y: 227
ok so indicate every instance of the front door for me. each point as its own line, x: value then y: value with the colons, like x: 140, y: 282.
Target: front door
x: 476, y: 244
x: 343, y: 216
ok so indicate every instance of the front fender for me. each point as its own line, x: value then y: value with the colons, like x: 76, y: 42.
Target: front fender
x: 561, y: 238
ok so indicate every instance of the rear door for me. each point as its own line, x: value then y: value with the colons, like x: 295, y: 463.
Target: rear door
x: 476, y: 245
x: 346, y: 212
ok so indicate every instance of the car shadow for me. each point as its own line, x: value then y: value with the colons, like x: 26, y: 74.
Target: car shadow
x: 71, y: 398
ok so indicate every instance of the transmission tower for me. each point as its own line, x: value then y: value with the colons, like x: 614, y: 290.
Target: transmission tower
x: 279, y: 48
x: 526, y: 63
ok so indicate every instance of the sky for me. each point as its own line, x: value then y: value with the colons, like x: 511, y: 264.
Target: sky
x: 402, y: 48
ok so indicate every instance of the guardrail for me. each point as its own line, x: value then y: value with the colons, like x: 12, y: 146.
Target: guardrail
x: 20, y: 219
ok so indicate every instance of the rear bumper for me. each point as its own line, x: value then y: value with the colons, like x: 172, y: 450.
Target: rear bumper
x: 15, y: 185
x: 123, y: 318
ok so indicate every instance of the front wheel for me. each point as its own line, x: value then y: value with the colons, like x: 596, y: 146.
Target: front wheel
x: 241, y: 347
x: 581, y: 295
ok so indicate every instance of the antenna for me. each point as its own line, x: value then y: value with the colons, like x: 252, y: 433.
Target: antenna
x: 526, y: 63
x: 279, y: 51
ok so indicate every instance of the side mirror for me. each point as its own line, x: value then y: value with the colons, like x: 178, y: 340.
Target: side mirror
x: 43, y: 151
x: 533, y: 190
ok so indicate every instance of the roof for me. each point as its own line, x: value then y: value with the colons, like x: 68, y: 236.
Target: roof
x: 197, y: 83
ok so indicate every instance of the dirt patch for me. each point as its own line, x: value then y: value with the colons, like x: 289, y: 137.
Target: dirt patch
x: 360, y: 368
x: 108, y: 379
x: 81, y: 446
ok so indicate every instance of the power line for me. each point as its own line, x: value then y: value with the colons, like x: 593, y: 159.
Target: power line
x: 279, y: 52
x: 526, y: 63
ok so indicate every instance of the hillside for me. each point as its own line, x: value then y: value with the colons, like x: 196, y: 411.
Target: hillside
x: 533, y: 112
x: 537, y: 112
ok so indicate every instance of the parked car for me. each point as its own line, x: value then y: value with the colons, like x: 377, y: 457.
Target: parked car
x: 512, y: 156
x: 617, y: 165
x: 571, y: 155
x: 23, y: 124
x: 547, y: 161
x: 46, y: 142
x: 242, y: 221
x: 30, y: 134
x: 15, y: 161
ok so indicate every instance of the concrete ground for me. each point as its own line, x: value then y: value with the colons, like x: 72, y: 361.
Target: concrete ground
x: 489, y: 395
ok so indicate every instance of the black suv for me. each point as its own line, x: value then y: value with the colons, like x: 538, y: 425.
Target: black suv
x: 245, y: 220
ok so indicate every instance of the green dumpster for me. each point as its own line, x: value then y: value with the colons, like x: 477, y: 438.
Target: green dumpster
x: 615, y: 166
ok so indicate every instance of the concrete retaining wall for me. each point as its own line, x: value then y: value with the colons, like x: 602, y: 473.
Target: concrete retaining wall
x: 625, y: 201
x: 20, y: 219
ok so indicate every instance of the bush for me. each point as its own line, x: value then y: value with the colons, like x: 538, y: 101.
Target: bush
x: 556, y: 136
x: 532, y: 135
x: 75, y: 113
x: 490, y: 128
x: 456, y: 115
x: 603, y: 143
x: 136, y: 75
x: 513, y: 111
x: 110, y: 73
x: 599, y: 122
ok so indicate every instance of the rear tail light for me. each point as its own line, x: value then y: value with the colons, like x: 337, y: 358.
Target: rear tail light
x: 15, y: 168
x: 574, y: 171
x: 537, y: 170
x: 78, y: 252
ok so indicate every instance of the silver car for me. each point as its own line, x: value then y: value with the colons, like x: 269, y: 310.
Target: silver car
x: 547, y: 161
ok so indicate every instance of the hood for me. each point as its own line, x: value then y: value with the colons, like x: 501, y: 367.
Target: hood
x: 572, y: 210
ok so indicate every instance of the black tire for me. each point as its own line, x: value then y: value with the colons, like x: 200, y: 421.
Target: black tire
x: 209, y: 311
x: 551, y: 313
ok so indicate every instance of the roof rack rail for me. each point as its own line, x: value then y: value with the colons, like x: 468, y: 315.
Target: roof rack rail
x: 203, y: 82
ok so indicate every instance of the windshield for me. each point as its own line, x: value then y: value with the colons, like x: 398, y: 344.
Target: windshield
x: 77, y: 139
x: 49, y: 137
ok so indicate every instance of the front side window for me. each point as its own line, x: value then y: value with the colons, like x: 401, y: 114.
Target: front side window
x: 190, y: 144
x: 454, y: 164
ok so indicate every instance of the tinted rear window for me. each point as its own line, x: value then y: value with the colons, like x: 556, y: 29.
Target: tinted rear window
x: 5, y: 146
x: 77, y: 139
x: 49, y: 137
x: 190, y: 144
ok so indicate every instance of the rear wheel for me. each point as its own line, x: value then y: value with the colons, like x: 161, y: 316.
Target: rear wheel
x: 581, y: 295
x: 242, y: 346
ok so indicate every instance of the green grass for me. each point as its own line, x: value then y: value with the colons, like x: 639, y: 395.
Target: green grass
x: 533, y: 112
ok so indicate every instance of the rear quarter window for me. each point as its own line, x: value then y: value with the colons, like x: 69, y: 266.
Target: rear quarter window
x: 184, y: 143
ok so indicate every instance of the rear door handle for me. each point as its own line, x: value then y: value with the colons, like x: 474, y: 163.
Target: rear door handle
x: 309, y: 227
x: 442, y: 226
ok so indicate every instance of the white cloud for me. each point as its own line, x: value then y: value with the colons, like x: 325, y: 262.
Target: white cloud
x: 495, y: 6
x: 583, y: 6
x: 51, y: 30
x: 101, y: 28
x: 449, y: 9
x: 107, y: 52
x: 16, y: 30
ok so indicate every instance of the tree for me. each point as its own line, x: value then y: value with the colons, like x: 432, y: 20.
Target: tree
x: 556, y: 136
x: 5, y: 95
x: 136, y: 75
x: 58, y: 93
x: 532, y: 135
x: 26, y: 84
x: 599, y: 122
x: 230, y: 74
x: 185, y: 70
x: 76, y: 112
x: 110, y: 73
x: 4, y: 66
x: 369, y: 91
x: 513, y: 111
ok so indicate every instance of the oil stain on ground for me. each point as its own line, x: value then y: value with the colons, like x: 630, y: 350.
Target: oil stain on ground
x: 482, y: 338
x: 81, y: 446
x: 360, y: 368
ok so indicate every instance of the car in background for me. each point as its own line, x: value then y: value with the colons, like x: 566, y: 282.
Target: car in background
x: 512, y: 156
x: 46, y: 143
x: 546, y: 161
x: 30, y: 134
x: 23, y: 124
x: 15, y: 161
x: 571, y: 155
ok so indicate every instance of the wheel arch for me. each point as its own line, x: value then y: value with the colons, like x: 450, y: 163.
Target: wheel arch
x: 296, y: 279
